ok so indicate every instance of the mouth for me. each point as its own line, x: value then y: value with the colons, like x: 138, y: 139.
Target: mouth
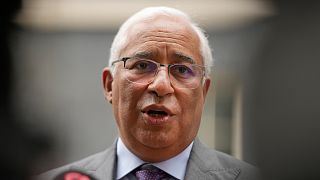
x: 156, y: 115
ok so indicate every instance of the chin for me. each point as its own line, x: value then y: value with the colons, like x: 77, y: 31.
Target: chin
x: 157, y: 141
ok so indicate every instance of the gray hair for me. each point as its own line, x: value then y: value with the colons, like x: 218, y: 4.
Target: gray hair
x: 121, y: 38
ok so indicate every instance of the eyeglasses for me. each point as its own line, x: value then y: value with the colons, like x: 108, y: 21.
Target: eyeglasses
x: 143, y: 71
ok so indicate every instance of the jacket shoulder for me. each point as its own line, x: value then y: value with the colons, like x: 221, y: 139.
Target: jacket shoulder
x: 90, y: 165
x: 246, y: 170
x: 214, y: 163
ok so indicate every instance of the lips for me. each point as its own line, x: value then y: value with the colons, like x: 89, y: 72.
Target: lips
x: 156, y: 114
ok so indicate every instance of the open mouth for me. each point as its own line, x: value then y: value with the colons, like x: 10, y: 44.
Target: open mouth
x: 156, y: 113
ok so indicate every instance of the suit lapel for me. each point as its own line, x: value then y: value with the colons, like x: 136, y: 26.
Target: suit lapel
x: 200, y: 166
x: 107, y: 170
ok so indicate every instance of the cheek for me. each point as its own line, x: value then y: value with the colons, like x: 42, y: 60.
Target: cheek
x: 190, y: 100
x: 191, y: 104
x: 128, y: 97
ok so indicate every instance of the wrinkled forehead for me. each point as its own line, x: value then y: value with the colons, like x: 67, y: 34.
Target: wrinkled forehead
x: 163, y: 28
x: 164, y: 23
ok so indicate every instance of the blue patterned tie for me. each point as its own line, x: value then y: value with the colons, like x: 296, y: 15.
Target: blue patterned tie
x: 149, y: 172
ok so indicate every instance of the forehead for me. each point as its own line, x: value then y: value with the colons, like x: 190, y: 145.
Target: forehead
x: 163, y: 36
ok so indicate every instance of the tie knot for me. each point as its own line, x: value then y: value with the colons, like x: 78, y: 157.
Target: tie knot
x: 150, y: 172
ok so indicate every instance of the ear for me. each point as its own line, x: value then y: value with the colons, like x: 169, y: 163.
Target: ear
x: 206, y: 86
x: 107, y: 80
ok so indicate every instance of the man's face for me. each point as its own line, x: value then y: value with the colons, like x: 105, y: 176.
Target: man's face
x: 151, y: 135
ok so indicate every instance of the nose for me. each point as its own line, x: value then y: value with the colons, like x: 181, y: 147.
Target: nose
x: 161, y: 84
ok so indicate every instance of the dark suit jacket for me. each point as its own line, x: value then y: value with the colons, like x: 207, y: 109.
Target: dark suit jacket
x: 203, y: 164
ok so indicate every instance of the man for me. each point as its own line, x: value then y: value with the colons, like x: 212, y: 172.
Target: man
x: 157, y: 81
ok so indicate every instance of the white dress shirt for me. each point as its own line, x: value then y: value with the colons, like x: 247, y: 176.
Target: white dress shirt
x: 127, y: 161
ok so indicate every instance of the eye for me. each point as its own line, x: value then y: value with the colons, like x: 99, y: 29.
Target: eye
x: 181, y: 71
x: 142, y: 66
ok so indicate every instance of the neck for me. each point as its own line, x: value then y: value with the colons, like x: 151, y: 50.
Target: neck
x: 154, y: 155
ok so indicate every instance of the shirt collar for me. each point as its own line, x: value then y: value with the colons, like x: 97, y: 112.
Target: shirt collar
x: 127, y: 161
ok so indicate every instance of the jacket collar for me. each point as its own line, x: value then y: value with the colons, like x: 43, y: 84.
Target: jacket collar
x: 201, y: 165
x: 107, y: 169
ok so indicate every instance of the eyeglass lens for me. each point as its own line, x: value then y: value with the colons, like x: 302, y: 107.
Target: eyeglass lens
x: 143, y: 71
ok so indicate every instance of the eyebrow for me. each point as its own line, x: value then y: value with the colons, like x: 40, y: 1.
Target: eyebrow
x: 177, y: 56
x: 182, y: 57
x: 144, y: 54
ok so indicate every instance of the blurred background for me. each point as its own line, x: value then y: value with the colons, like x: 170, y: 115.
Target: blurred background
x: 262, y: 106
